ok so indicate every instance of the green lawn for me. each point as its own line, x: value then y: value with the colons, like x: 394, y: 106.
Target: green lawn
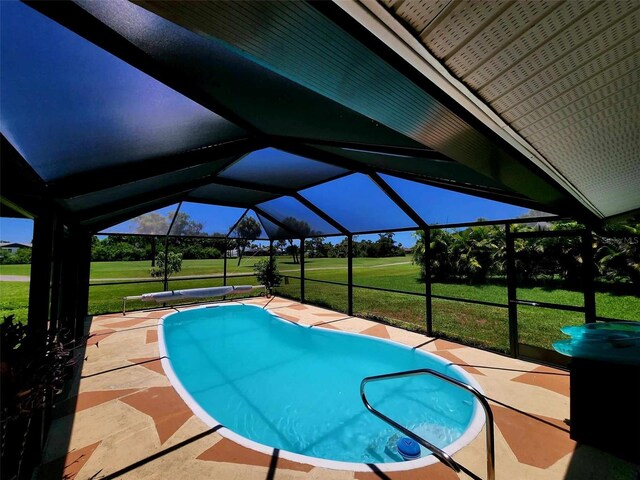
x: 483, y: 325
x: 15, y: 269
x: 14, y: 300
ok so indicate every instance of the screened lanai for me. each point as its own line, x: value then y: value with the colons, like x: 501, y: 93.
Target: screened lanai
x: 124, y: 111
x: 319, y: 120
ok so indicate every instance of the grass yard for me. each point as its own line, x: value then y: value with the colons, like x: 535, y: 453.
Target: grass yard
x: 486, y: 326
x: 23, y: 270
x: 14, y: 300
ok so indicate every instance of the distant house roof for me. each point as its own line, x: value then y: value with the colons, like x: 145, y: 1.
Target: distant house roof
x: 14, y: 245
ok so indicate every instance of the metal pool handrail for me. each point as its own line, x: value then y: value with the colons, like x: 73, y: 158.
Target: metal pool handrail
x: 437, y: 452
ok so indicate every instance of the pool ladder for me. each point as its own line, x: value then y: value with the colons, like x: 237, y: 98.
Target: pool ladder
x: 440, y: 454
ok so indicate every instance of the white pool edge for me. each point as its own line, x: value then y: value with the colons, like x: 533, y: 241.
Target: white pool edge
x: 474, y: 429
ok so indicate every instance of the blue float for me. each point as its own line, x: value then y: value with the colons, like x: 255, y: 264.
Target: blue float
x: 409, y: 449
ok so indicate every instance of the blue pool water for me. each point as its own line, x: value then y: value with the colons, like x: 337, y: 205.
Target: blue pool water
x: 297, y: 388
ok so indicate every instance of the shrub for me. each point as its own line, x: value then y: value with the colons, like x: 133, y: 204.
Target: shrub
x: 33, y: 371
x: 266, y: 271
x: 174, y: 265
x: 21, y: 257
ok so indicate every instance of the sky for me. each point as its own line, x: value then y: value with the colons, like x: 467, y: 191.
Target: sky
x: 16, y: 230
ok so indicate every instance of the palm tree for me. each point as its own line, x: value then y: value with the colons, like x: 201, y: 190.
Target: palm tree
x: 473, y: 251
x: 618, y: 258
x: 439, y: 244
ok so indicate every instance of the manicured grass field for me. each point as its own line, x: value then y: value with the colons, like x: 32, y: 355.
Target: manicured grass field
x: 483, y: 325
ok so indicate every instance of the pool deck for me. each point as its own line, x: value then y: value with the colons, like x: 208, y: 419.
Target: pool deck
x: 123, y: 419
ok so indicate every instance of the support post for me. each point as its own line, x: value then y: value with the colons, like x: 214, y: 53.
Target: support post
x: 302, y: 270
x: 58, y: 266
x: 269, y: 287
x: 83, y: 252
x: 69, y: 281
x: 165, y: 283
x: 153, y: 251
x: 224, y: 274
x: 166, y: 248
x: 350, y: 275
x: 427, y: 281
x: 40, y: 284
x: 588, y: 277
x: 511, y: 292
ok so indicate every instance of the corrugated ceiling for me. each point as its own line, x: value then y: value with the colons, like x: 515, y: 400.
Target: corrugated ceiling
x: 564, y: 75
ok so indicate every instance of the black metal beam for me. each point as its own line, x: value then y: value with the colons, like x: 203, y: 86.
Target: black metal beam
x: 315, y: 209
x: 82, y: 250
x: 427, y: 282
x: 549, y: 233
x: 275, y: 221
x: 522, y: 220
x: 588, y: 277
x: 302, y: 270
x: 258, y: 187
x: 220, y: 203
x: 273, y: 189
x: 114, y: 176
x: 398, y: 200
x: 350, y: 275
x: 366, y: 147
x: 183, y: 188
x: 41, y: 270
x: 512, y: 291
x: 552, y: 306
x: 166, y: 247
x: 21, y: 187
x: 101, y: 223
x: 237, y: 222
x: 58, y: 258
x: 507, y: 196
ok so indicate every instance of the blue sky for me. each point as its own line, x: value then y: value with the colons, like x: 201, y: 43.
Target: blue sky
x: 16, y: 230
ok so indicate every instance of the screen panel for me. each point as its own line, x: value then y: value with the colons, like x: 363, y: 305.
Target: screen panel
x: 249, y: 227
x: 298, y: 218
x: 197, y: 219
x: 358, y: 204
x: 275, y: 167
x: 165, y: 182
x: 422, y: 165
x: 70, y: 107
x: 156, y: 222
x: 440, y: 206
x: 223, y: 194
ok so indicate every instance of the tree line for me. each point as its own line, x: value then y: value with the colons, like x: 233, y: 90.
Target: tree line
x: 478, y: 255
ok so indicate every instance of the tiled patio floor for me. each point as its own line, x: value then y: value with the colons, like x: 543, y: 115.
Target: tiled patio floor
x: 126, y: 421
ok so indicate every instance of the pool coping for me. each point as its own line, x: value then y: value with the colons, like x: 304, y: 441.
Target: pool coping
x: 473, y: 430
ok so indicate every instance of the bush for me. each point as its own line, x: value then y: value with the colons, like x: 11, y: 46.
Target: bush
x: 266, y: 271
x: 33, y: 372
x: 174, y: 265
x: 21, y: 257
x: 198, y: 252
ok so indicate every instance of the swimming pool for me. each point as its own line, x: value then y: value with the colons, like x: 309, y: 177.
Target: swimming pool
x: 274, y: 383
